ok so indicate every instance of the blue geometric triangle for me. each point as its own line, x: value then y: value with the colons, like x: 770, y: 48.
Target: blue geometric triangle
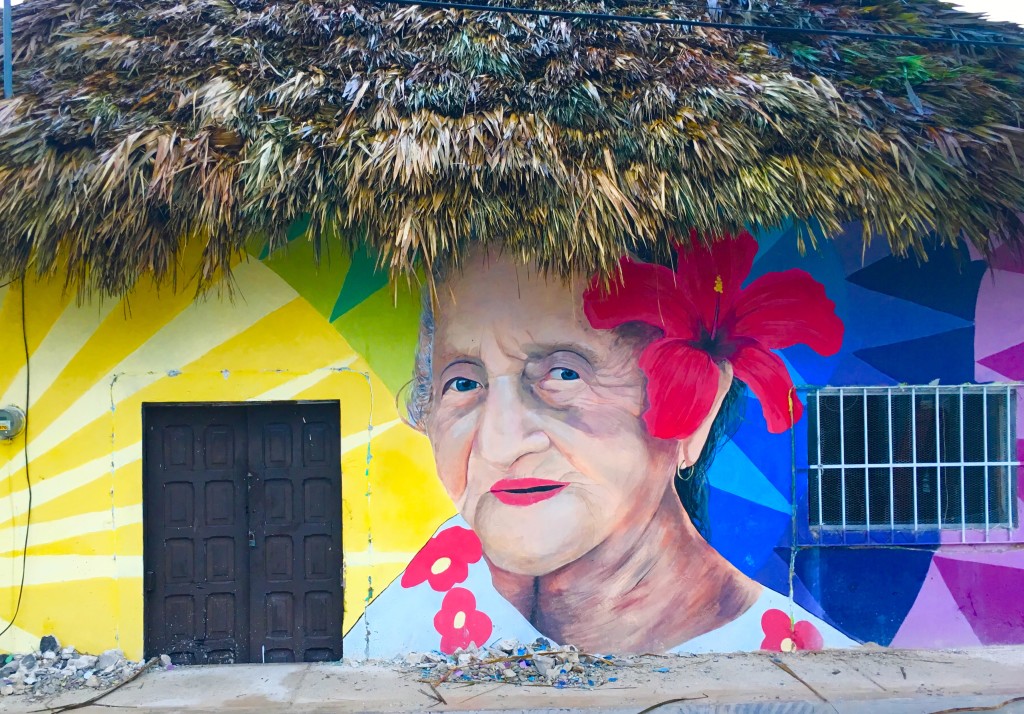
x: 822, y: 263
x: 766, y: 239
x: 947, y: 282
x: 775, y: 575
x: 771, y: 452
x: 879, y: 316
x: 866, y: 592
x: 806, y: 366
x: 733, y: 472
x: 744, y: 532
x: 855, y: 372
x: 947, y: 357
x: 854, y: 254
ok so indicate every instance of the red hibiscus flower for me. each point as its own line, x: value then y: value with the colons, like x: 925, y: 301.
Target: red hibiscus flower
x: 460, y: 623
x: 708, y: 318
x: 444, y: 560
x: 781, y: 635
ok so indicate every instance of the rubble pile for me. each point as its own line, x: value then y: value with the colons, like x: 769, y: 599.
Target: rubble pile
x: 539, y: 664
x: 52, y: 669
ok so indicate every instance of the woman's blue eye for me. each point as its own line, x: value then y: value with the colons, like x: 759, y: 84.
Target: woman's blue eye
x: 461, y: 384
x: 567, y: 374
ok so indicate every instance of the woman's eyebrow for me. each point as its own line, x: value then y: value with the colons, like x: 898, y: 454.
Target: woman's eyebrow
x: 540, y: 351
x: 461, y: 360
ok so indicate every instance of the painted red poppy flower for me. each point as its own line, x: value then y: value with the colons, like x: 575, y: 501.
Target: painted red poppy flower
x: 781, y: 635
x: 708, y: 318
x: 459, y: 623
x: 444, y: 560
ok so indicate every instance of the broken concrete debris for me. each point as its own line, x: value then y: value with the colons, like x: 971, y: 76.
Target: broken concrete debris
x: 52, y: 670
x: 537, y: 664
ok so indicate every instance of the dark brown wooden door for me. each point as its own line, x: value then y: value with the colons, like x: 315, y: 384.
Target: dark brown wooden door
x: 242, y: 530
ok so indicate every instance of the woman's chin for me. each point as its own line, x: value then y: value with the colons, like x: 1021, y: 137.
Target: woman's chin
x: 534, y: 540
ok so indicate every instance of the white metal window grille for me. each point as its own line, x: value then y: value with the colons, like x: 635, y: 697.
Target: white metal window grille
x: 912, y: 458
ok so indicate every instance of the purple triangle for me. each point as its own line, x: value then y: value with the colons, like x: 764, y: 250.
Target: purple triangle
x: 989, y: 597
x: 934, y: 604
x: 1009, y: 362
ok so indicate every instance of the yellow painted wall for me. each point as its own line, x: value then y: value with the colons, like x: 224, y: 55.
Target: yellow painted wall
x: 94, y: 364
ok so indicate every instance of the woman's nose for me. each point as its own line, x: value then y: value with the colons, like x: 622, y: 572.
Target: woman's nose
x: 507, y: 429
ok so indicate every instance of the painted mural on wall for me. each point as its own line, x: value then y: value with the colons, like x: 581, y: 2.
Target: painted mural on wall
x: 573, y: 430
x: 293, y: 331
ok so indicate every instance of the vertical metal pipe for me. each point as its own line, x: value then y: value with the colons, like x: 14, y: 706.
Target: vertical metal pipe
x: 8, y: 54
x: 892, y: 489
x: 984, y: 431
x: 938, y: 462
x: 963, y: 483
x: 867, y: 468
x: 1011, y: 471
x: 913, y: 445
x: 817, y: 403
x: 842, y: 460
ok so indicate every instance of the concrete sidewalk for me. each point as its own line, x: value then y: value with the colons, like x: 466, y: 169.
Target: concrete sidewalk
x: 874, y: 680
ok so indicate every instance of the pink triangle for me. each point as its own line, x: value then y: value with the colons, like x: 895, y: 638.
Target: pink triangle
x: 1009, y: 362
x: 989, y: 597
x: 1006, y: 555
x: 1007, y: 257
x: 935, y: 604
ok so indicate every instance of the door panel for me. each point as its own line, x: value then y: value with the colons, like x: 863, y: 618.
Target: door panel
x: 296, y: 596
x: 241, y: 512
x: 193, y: 507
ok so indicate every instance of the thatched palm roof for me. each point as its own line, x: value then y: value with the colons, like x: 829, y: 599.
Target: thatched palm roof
x: 138, y: 126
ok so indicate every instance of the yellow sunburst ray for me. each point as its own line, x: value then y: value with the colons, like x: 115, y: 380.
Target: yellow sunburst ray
x: 304, y: 383
x: 360, y: 439
x: 53, y: 531
x: 13, y: 508
x: 191, y: 334
x: 45, y: 301
x: 69, y: 334
x: 46, y: 569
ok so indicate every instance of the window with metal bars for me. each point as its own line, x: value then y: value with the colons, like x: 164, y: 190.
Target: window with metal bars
x: 912, y: 458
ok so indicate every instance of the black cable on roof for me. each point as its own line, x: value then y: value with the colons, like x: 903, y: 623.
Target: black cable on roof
x: 680, y: 22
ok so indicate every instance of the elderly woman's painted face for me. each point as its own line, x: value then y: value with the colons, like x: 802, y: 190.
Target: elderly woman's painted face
x: 536, y: 420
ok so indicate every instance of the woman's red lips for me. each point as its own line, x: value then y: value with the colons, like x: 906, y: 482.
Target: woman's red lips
x: 526, y: 491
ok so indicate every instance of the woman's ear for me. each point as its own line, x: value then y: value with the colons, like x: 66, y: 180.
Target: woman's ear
x: 691, y: 447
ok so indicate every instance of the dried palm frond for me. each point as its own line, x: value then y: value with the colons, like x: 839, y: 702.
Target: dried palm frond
x: 140, y: 127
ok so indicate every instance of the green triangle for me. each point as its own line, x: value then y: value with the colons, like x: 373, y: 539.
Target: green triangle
x: 318, y: 282
x: 295, y: 230
x: 383, y: 328
x: 363, y: 279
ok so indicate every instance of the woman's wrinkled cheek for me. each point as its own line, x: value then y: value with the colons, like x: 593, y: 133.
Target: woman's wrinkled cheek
x: 452, y: 438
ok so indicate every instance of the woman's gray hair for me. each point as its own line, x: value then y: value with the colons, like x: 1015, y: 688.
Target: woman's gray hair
x: 421, y: 393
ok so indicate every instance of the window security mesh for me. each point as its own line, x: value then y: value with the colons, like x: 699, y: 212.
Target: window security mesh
x: 912, y: 458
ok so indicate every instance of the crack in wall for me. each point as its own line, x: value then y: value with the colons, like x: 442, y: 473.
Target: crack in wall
x: 368, y: 495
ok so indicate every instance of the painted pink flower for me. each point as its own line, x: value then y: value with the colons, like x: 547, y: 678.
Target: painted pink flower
x: 444, y: 560
x: 459, y: 623
x: 708, y: 318
x: 781, y: 635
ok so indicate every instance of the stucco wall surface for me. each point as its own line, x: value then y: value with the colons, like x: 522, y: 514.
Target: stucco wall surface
x: 289, y: 330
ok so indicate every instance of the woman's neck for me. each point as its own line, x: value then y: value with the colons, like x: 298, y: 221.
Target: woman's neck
x: 645, y: 591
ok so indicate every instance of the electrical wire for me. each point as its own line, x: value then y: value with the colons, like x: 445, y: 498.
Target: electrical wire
x: 680, y: 22
x: 28, y: 480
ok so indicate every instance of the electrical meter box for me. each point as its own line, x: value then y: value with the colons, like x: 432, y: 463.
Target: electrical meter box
x: 12, y: 421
